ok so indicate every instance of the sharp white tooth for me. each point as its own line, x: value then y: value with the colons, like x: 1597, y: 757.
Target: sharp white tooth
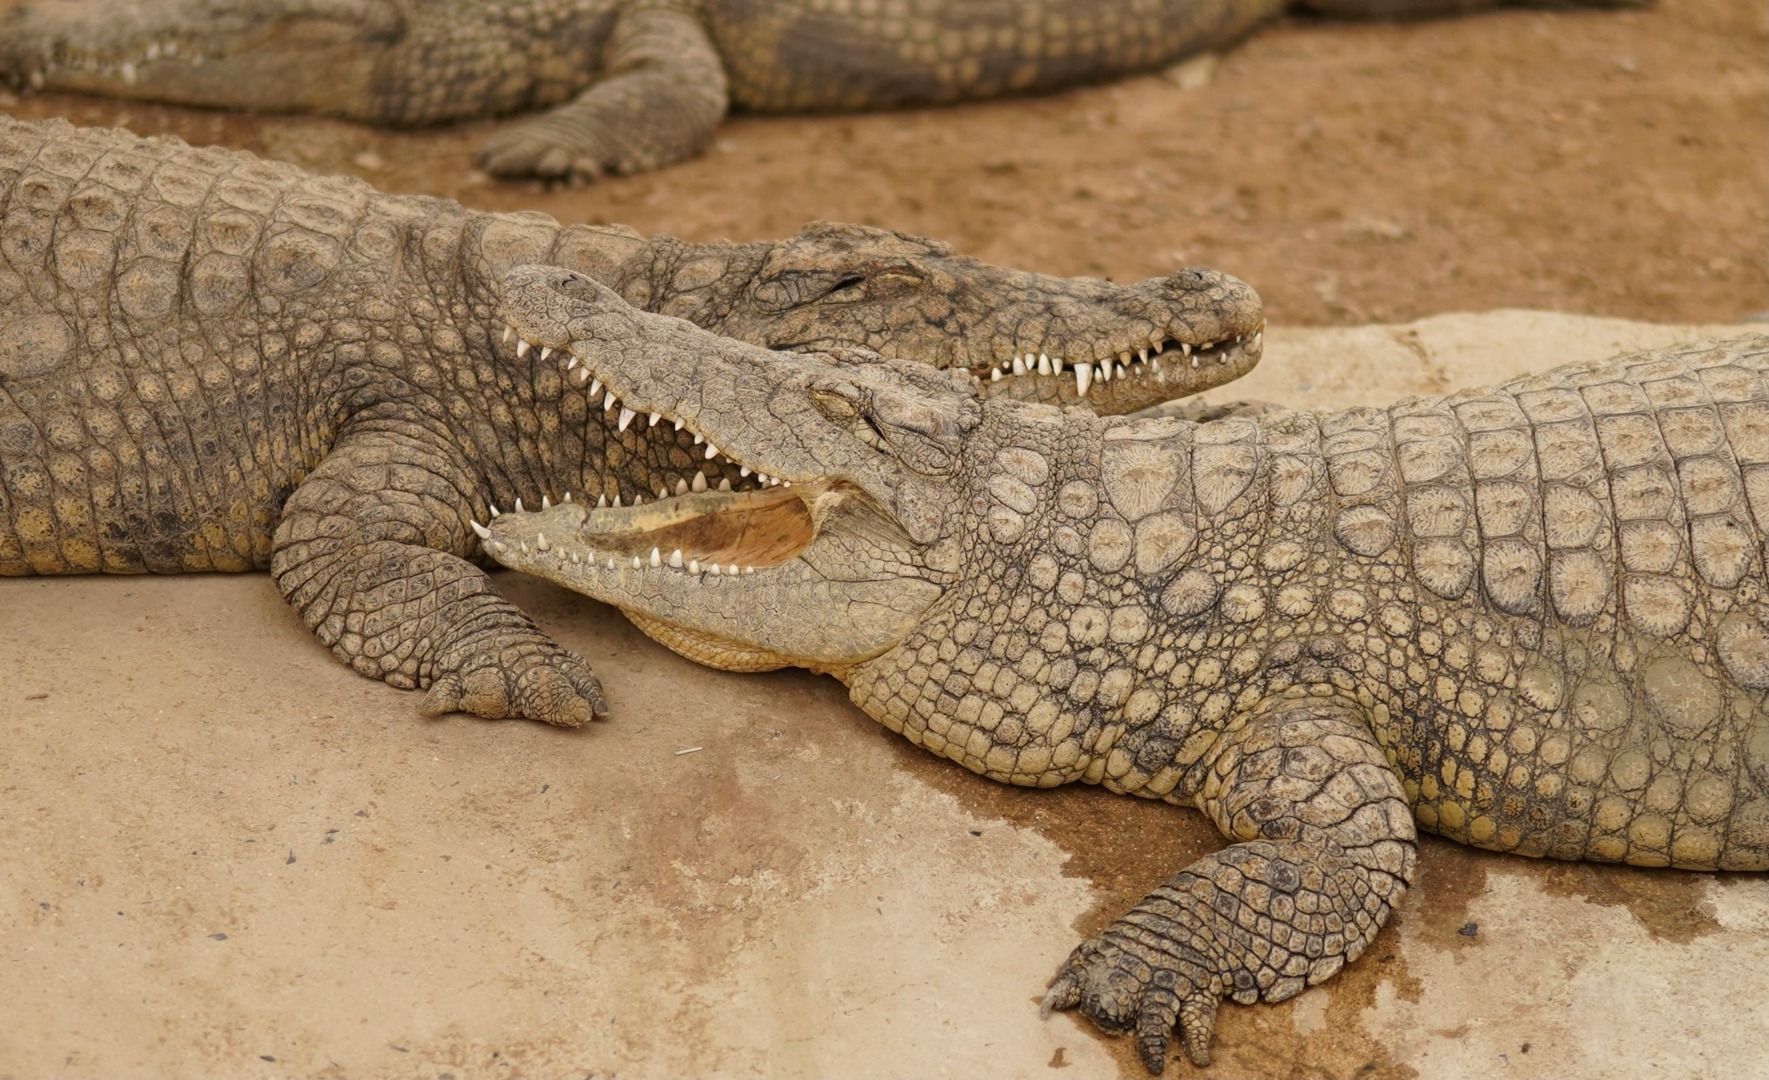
x: 574, y: 558
x: 494, y: 509
x: 546, y: 351
x: 749, y: 569
x: 484, y: 533
x: 698, y: 439
x: 656, y: 557
x: 1105, y: 371
x: 601, y: 501
x: 1258, y: 341
x: 626, y: 417
x: 638, y: 499
x: 636, y: 562
x: 713, y: 569
x: 509, y: 332
x: 1019, y: 366
x: 500, y: 547
x: 567, y: 497
x: 1043, y: 364
x: 724, y: 483
x: 595, y: 384
x: 546, y: 503
x: 540, y: 541
x: 681, y: 486
x: 571, y: 364
x: 995, y: 375
x: 1141, y: 354
x: 743, y: 470
x: 1185, y: 347
x: 762, y: 479
x: 676, y: 559
x: 1194, y: 362
x: 1120, y: 372
x: 1160, y: 346
x: 1083, y: 378
x: 679, y: 423
x: 519, y: 508
x: 663, y: 493
x: 711, y: 451
x: 583, y: 376
x: 1155, y: 364
x: 608, y: 401
x: 610, y: 563
x: 651, y: 421
x: 694, y: 566
x: 617, y: 500
x: 523, y: 544
x: 699, y: 483
x: 522, y: 347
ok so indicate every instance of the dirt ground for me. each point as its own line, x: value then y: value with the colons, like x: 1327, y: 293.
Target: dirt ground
x: 1600, y: 162
x: 364, y: 894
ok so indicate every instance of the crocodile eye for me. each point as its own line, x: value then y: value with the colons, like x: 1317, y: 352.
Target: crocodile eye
x: 838, y: 402
x: 847, y: 287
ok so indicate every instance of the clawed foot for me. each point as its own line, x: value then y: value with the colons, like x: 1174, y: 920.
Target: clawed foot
x: 529, y: 679
x: 1132, y: 979
x: 536, y: 148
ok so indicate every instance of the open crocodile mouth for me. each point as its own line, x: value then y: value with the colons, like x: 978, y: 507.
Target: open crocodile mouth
x: 693, y: 527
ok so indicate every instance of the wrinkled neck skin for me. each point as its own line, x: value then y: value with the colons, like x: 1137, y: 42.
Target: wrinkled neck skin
x: 433, y: 347
x: 1040, y: 657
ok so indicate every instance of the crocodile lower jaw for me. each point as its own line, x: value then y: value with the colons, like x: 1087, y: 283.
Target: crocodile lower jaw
x: 713, y: 533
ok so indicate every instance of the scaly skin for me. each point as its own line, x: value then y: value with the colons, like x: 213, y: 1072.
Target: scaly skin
x: 211, y: 362
x: 630, y: 84
x: 1533, y: 618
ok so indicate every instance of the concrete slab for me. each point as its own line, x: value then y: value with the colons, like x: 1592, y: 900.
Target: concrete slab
x: 221, y: 853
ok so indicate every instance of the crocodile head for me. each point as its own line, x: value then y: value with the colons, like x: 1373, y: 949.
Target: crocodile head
x: 873, y: 488
x: 844, y: 527
x: 1015, y: 334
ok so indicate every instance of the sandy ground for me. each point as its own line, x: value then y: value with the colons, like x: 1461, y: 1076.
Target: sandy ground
x: 223, y: 854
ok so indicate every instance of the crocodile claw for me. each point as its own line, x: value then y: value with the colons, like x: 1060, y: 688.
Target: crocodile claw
x: 555, y: 688
x: 1120, y: 996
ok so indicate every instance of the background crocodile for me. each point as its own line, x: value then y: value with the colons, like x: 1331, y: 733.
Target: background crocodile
x: 212, y: 362
x: 643, y: 82
x: 1533, y: 618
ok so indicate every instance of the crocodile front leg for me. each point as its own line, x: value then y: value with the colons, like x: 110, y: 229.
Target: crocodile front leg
x: 1326, y: 848
x: 370, y: 551
x: 659, y: 103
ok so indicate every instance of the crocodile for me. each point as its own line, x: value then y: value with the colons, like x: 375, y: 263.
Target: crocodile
x: 628, y: 85
x: 1532, y: 618
x: 214, y: 362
